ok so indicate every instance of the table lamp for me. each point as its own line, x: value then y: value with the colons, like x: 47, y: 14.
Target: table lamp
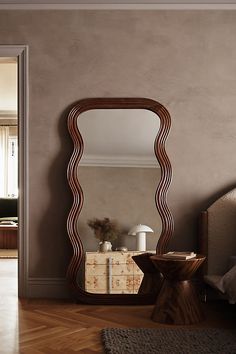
x: 140, y: 232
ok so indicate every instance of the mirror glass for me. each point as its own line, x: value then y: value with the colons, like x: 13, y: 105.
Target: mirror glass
x: 119, y: 175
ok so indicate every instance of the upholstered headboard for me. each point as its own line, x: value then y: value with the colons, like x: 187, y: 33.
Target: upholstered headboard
x: 218, y: 234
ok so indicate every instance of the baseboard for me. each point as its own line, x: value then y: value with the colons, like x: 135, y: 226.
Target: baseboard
x: 53, y: 288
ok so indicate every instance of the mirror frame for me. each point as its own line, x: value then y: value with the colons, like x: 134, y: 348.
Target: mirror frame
x: 160, y: 196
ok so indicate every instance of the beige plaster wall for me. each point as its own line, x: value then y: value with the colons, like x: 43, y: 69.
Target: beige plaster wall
x: 184, y: 59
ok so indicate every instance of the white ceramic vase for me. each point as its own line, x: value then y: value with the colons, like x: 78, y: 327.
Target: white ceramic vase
x: 105, y: 246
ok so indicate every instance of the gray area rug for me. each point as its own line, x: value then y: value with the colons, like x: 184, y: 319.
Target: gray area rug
x: 169, y: 341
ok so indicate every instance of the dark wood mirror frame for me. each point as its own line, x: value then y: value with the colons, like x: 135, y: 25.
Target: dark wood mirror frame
x: 160, y: 196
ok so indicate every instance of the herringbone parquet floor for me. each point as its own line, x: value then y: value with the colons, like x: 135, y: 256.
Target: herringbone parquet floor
x: 60, y: 327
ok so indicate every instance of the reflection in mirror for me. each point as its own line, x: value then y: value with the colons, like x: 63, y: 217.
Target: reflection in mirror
x: 119, y: 175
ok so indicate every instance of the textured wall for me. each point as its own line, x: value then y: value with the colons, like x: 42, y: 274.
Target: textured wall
x: 184, y: 59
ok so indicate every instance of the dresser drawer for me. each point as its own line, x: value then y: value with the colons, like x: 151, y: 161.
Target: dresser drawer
x: 112, y: 272
x: 126, y: 284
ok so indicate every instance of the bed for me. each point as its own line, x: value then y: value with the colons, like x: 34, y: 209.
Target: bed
x: 217, y: 240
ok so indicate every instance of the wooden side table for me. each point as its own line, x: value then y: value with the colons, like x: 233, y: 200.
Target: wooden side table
x: 152, y: 279
x: 178, y: 301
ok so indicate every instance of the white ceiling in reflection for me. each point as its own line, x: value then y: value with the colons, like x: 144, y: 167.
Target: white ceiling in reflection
x: 119, y: 137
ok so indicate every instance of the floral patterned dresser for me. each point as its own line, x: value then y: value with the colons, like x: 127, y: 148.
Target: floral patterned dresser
x: 112, y: 273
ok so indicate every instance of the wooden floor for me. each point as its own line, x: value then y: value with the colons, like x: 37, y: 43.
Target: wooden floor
x: 53, y: 327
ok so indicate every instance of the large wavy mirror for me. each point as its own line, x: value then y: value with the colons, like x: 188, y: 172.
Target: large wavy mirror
x: 119, y: 174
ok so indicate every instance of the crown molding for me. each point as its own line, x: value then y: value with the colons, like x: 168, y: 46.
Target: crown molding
x: 118, y: 161
x: 10, y: 60
x: 8, y: 114
x: 40, y: 5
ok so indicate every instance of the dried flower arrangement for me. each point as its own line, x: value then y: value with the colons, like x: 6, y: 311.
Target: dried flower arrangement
x: 104, y: 229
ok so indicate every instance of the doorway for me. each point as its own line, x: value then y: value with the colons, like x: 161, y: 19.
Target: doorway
x: 8, y: 159
x: 14, y: 157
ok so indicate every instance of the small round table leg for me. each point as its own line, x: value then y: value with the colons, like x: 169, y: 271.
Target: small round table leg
x: 178, y: 303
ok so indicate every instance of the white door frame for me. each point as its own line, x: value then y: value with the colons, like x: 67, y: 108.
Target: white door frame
x: 21, y: 53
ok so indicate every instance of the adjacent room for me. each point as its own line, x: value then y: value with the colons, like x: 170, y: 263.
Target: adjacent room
x: 8, y: 165
x: 8, y: 158
x: 117, y: 189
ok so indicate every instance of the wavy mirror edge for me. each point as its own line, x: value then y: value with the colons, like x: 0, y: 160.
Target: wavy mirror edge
x: 160, y: 196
